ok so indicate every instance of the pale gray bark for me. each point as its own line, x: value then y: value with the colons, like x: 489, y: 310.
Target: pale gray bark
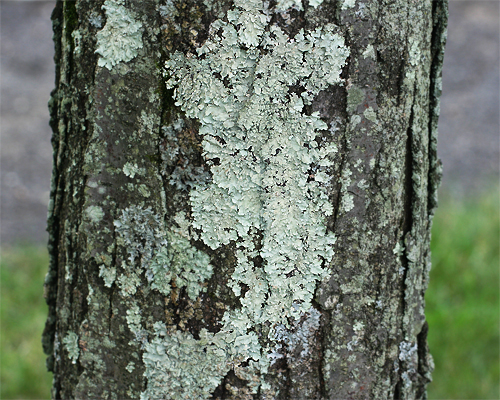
x: 147, y: 282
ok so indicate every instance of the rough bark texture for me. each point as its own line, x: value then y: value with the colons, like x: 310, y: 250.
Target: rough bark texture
x: 192, y: 226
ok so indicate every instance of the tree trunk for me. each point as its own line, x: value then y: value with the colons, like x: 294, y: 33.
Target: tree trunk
x: 242, y: 198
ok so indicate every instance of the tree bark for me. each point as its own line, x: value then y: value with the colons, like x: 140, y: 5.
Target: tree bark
x: 242, y: 198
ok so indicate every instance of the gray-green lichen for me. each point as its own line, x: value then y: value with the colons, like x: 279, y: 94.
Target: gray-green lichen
x: 315, y: 3
x: 295, y: 337
x: 408, y: 356
x: 184, y: 176
x: 268, y: 181
x: 370, y: 52
x: 283, y: 5
x: 121, y: 37
x: 108, y: 275
x: 178, y: 364
x: 168, y: 10
x: 348, y: 4
x: 266, y: 146
x: 142, y: 233
x: 95, y: 213
x: 130, y: 169
x: 181, y: 263
x: 162, y: 256
x: 287, y: 4
x: 347, y: 203
x: 70, y: 342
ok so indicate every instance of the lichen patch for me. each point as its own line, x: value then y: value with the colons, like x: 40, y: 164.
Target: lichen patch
x: 268, y: 181
x: 121, y: 37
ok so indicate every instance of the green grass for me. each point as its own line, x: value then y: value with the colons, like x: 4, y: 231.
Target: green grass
x: 462, y: 308
x: 462, y: 302
x: 23, y: 311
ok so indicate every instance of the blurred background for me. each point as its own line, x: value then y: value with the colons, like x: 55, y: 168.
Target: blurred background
x: 463, y: 297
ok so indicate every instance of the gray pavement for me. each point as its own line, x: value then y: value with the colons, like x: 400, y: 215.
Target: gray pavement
x: 468, y: 128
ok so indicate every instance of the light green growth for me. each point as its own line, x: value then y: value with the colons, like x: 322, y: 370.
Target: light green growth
x: 108, y: 275
x: 356, y: 342
x: 358, y: 326
x: 415, y: 54
x: 130, y: 367
x: 215, y: 7
x: 270, y: 180
x: 407, y: 351
x: 130, y: 169
x: 168, y: 10
x: 181, y: 366
x: 348, y: 4
x: 362, y: 184
x: 408, y: 355
x: 70, y: 342
x: 197, y: 365
x: 369, y: 52
x: 370, y: 115
x: 142, y: 233
x: 129, y: 283
x: 283, y: 5
x: 315, y: 3
x: 95, y: 213
x: 95, y: 20
x: 261, y: 182
x: 121, y: 37
x: 148, y: 123
x: 77, y: 38
x: 355, y: 96
x: 134, y: 319
x: 398, y: 249
x: 164, y: 256
x: 143, y: 189
x: 90, y: 294
x: 372, y: 163
x: 68, y: 276
x: 355, y: 120
x: 347, y: 203
x: 183, y: 226
x: 182, y: 263
x: 185, y: 175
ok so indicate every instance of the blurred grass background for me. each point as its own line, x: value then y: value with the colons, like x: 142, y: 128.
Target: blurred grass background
x: 462, y: 302
x: 462, y: 306
x: 23, y: 312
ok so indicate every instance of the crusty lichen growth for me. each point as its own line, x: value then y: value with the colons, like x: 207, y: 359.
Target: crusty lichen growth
x: 268, y: 182
x: 70, y: 342
x: 121, y: 37
x: 283, y: 5
x: 181, y: 263
x: 177, y: 364
x: 162, y: 256
x: 269, y: 174
x: 295, y: 339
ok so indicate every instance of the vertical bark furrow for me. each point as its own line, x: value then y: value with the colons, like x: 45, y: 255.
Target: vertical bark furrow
x: 440, y: 22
